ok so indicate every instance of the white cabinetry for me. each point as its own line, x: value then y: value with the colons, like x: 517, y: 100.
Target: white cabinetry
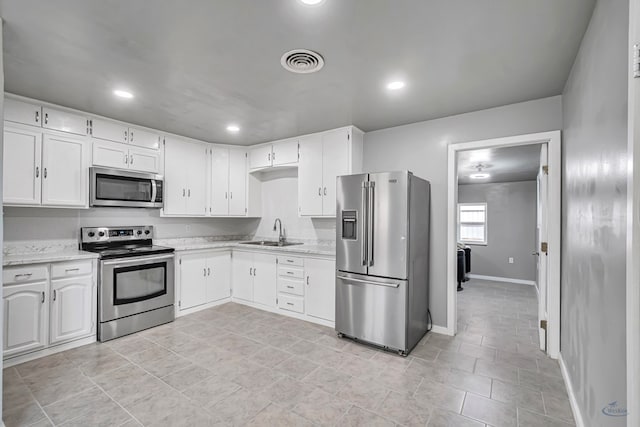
x: 320, y: 279
x: 254, y: 278
x: 323, y: 157
x: 44, y: 169
x: 204, y: 277
x: 278, y: 153
x: 242, y: 275
x: 144, y: 138
x: 22, y: 112
x: 64, y: 121
x: 185, y: 172
x: 237, y: 182
x: 123, y: 156
x: 228, y: 182
x: 260, y: 157
x: 71, y: 308
x: 291, y: 284
x: 121, y: 132
x: 24, y: 318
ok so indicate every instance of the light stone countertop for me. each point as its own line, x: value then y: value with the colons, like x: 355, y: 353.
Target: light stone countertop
x: 45, y: 257
x: 311, y: 249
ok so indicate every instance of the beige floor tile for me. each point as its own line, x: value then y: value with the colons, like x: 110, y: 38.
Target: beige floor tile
x: 327, y: 379
x: 557, y: 407
x: 44, y: 365
x: 443, y: 418
x: 296, y: 367
x: 532, y: 419
x: 257, y: 377
x: 274, y: 415
x: 405, y: 410
x: 240, y: 407
x: 476, y: 384
x: 518, y: 396
x: 489, y: 411
x: 436, y: 394
x: 365, y: 394
x: 77, y: 405
x: 22, y: 415
x: 269, y: 356
x: 53, y: 386
x: 186, y: 377
x: 322, y: 408
x: 210, y: 391
x: 358, y: 417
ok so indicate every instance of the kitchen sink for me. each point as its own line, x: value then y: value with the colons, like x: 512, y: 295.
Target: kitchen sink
x: 270, y: 243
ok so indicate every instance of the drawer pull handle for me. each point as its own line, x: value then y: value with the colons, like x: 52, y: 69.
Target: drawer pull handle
x: 289, y: 272
x: 290, y: 260
x: 54, y: 294
x: 290, y: 287
x: 23, y: 275
x: 289, y: 303
x: 69, y: 270
x: 42, y: 297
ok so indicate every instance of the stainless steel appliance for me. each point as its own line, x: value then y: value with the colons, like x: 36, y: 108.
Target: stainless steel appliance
x: 114, y: 187
x: 135, y: 279
x: 382, y: 259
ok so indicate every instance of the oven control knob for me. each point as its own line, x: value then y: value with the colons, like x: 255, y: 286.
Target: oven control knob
x: 139, y: 232
x: 91, y: 234
x: 147, y: 231
x: 101, y: 233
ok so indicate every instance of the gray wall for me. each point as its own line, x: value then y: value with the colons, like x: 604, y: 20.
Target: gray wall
x: 511, y: 215
x: 422, y: 149
x: 594, y: 215
x: 1, y: 225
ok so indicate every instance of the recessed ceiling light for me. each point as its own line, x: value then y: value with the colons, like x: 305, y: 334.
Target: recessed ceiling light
x: 479, y: 176
x: 311, y: 2
x: 233, y: 128
x: 123, y: 94
x: 395, y: 85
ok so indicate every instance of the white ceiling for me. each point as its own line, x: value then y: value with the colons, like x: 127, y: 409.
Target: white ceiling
x: 195, y: 66
x: 505, y: 164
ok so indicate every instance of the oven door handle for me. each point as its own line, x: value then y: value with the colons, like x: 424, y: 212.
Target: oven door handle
x: 154, y: 190
x: 137, y: 260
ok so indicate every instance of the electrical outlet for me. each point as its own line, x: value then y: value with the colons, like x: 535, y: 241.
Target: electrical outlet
x: 510, y: 260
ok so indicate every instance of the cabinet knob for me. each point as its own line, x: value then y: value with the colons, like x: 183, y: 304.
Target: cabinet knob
x: 46, y: 118
x: 45, y: 172
x: 325, y: 191
x: 43, y: 297
x: 37, y: 171
x: 319, y: 191
x: 37, y: 116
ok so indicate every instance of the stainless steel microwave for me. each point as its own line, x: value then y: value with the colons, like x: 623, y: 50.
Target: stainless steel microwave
x: 118, y: 188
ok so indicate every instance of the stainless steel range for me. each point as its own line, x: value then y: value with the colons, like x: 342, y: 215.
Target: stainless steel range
x: 135, y: 279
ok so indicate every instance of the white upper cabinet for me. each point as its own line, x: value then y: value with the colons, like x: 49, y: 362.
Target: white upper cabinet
x: 237, y: 182
x: 110, y: 155
x: 22, y: 169
x: 22, y: 112
x: 285, y: 152
x: 260, y: 157
x: 323, y: 157
x: 196, y: 167
x: 64, y: 121
x: 144, y: 138
x: 144, y: 159
x: 111, y: 131
x: 64, y: 170
x: 219, y: 194
x: 185, y: 174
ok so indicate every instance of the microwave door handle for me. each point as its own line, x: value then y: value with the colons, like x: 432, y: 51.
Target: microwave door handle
x: 363, y: 215
x: 154, y: 190
x: 371, y: 220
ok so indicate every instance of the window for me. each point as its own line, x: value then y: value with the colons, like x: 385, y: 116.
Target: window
x: 472, y: 223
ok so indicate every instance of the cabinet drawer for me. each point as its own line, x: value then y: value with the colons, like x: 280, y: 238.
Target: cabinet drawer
x: 292, y: 272
x: 291, y: 303
x: 291, y: 286
x: 69, y: 269
x: 29, y: 273
x: 289, y: 260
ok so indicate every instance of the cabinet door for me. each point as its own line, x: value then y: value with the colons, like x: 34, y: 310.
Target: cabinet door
x: 64, y: 171
x: 260, y: 157
x: 71, y: 308
x: 64, y: 121
x: 265, y: 279
x: 24, y: 318
x: 310, y: 176
x: 335, y: 162
x: 320, y: 295
x: 219, y: 181
x: 242, y: 275
x: 110, y: 155
x: 285, y: 152
x: 175, y: 177
x: 237, y: 182
x: 22, y: 112
x: 193, y: 275
x: 22, y: 171
x: 144, y: 138
x: 111, y: 131
x: 144, y: 160
x: 197, y: 179
x: 218, y: 283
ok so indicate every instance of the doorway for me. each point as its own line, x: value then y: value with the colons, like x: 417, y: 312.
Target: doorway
x: 547, y: 192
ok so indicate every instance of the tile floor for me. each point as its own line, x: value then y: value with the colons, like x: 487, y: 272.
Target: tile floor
x: 234, y: 365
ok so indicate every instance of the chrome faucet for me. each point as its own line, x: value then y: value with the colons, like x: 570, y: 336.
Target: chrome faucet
x: 280, y: 235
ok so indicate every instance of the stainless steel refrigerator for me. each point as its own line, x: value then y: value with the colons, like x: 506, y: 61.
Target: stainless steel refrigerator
x: 382, y: 258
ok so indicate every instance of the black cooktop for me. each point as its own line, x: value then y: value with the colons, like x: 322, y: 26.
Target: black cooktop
x: 111, y: 252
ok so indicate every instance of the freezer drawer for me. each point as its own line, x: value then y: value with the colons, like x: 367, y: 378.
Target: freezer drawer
x: 372, y: 310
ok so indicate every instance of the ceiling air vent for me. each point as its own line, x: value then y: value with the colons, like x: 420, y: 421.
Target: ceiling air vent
x: 302, y: 61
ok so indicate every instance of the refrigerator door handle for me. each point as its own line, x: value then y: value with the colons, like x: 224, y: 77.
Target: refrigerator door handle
x: 370, y: 221
x: 364, y: 233
x: 366, y: 282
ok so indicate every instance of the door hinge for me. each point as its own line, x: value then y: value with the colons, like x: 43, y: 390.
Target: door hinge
x: 543, y: 247
x: 245, y: 210
x: 276, y: 301
x: 636, y: 61
x: 545, y: 169
x: 180, y: 262
x: 179, y: 303
x: 543, y: 324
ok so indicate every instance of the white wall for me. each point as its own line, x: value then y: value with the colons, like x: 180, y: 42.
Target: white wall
x: 1, y: 220
x: 594, y: 185
x: 422, y: 149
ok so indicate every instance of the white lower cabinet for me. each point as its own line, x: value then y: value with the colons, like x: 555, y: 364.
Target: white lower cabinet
x: 320, y: 280
x: 203, y: 277
x: 40, y: 312
x: 254, y: 277
x: 243, y: 275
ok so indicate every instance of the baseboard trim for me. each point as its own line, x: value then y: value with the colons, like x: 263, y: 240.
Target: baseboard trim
x: 577, y: 415
x: 441, y: 330
x: 502, y: 279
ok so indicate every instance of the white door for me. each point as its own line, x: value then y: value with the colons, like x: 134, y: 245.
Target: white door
x: 237, y: 182
x: 22, y: 112
x: 110, y: 155
x: 111, y: 131
x: 542, y: 270
x: 265, y: 279
x: 22, y: 171
x: 64, y: 171
x: 260, y: 157
x: 64, y: 121
x: 285, y: 152
x: 24, y: 318
x: 193, y: 273
x: 175, y: 177
x: 242, y: 275
x: 144, y: 138
x: 71, y: 308
x: 335, y: 155
x: 219, y: 181
x: 320, y: 281
x: 310, y: 176
x: 144, y: 160
x: 218, y: 276
x: 196, y: 179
